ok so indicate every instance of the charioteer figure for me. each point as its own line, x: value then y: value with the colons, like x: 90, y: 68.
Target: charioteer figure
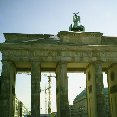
x: 76, y: 26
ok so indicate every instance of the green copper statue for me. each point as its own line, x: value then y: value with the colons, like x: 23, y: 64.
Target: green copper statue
x: 76, y: 19
x: 76, y: 26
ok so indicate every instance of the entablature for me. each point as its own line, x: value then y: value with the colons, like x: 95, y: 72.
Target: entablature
x: 70, y: 47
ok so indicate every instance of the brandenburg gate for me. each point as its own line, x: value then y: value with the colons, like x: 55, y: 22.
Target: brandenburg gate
x: 88, y: 52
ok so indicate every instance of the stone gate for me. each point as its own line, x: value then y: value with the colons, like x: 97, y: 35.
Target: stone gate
x: 89, y: 52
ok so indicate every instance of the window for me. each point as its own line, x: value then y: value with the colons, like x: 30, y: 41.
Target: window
x: 89, y: 76
x: 90, y: 88
x: 112, y: 76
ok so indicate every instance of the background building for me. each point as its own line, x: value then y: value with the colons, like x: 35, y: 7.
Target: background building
x: 54, y: 114
x: 23, y: 110
x: 79, y: 107
x: 16, y: 108
x: 19, y: 109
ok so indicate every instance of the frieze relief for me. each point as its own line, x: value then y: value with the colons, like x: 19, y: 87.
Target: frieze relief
x: 21, y: 53
x: 108, y: 54
x: 73, y: 55
x: 45, y: 53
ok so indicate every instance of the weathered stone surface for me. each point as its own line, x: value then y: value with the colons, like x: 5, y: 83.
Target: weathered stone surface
x: 62, y: 90
x: 35, y: 89
x: 17, y: 37
x: 68, y: 51
x: 56, y: 53
x: 7, y: 89
x: 86, y: 38
x: 95, y: 97
x: 112, y: 82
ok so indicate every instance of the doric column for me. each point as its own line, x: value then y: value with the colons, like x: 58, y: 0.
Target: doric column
x: 112, y: 84
x: 62, y: 90
x: 8, y: 77
x: 35, y: 89
x: 95, y: 96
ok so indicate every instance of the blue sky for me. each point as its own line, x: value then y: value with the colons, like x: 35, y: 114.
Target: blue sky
x: 52, y: 16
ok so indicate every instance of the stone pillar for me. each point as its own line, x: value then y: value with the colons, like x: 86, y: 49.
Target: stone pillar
x: 62, y: 90
x: 35, y: 89
x: 112, y: 84
x: 95, y: 96
x: 8, y: 78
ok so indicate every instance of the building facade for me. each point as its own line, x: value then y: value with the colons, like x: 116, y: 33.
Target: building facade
x: 72, y: 111
x: 80, y: 106
x: 16, y: 107
x: 19, y: 109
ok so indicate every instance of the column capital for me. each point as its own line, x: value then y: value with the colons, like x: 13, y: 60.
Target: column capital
x: 111, y: 65
x: 35, y: 62
x: 94, y: 62
x: 7, y: 61
x: 61, y: 63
